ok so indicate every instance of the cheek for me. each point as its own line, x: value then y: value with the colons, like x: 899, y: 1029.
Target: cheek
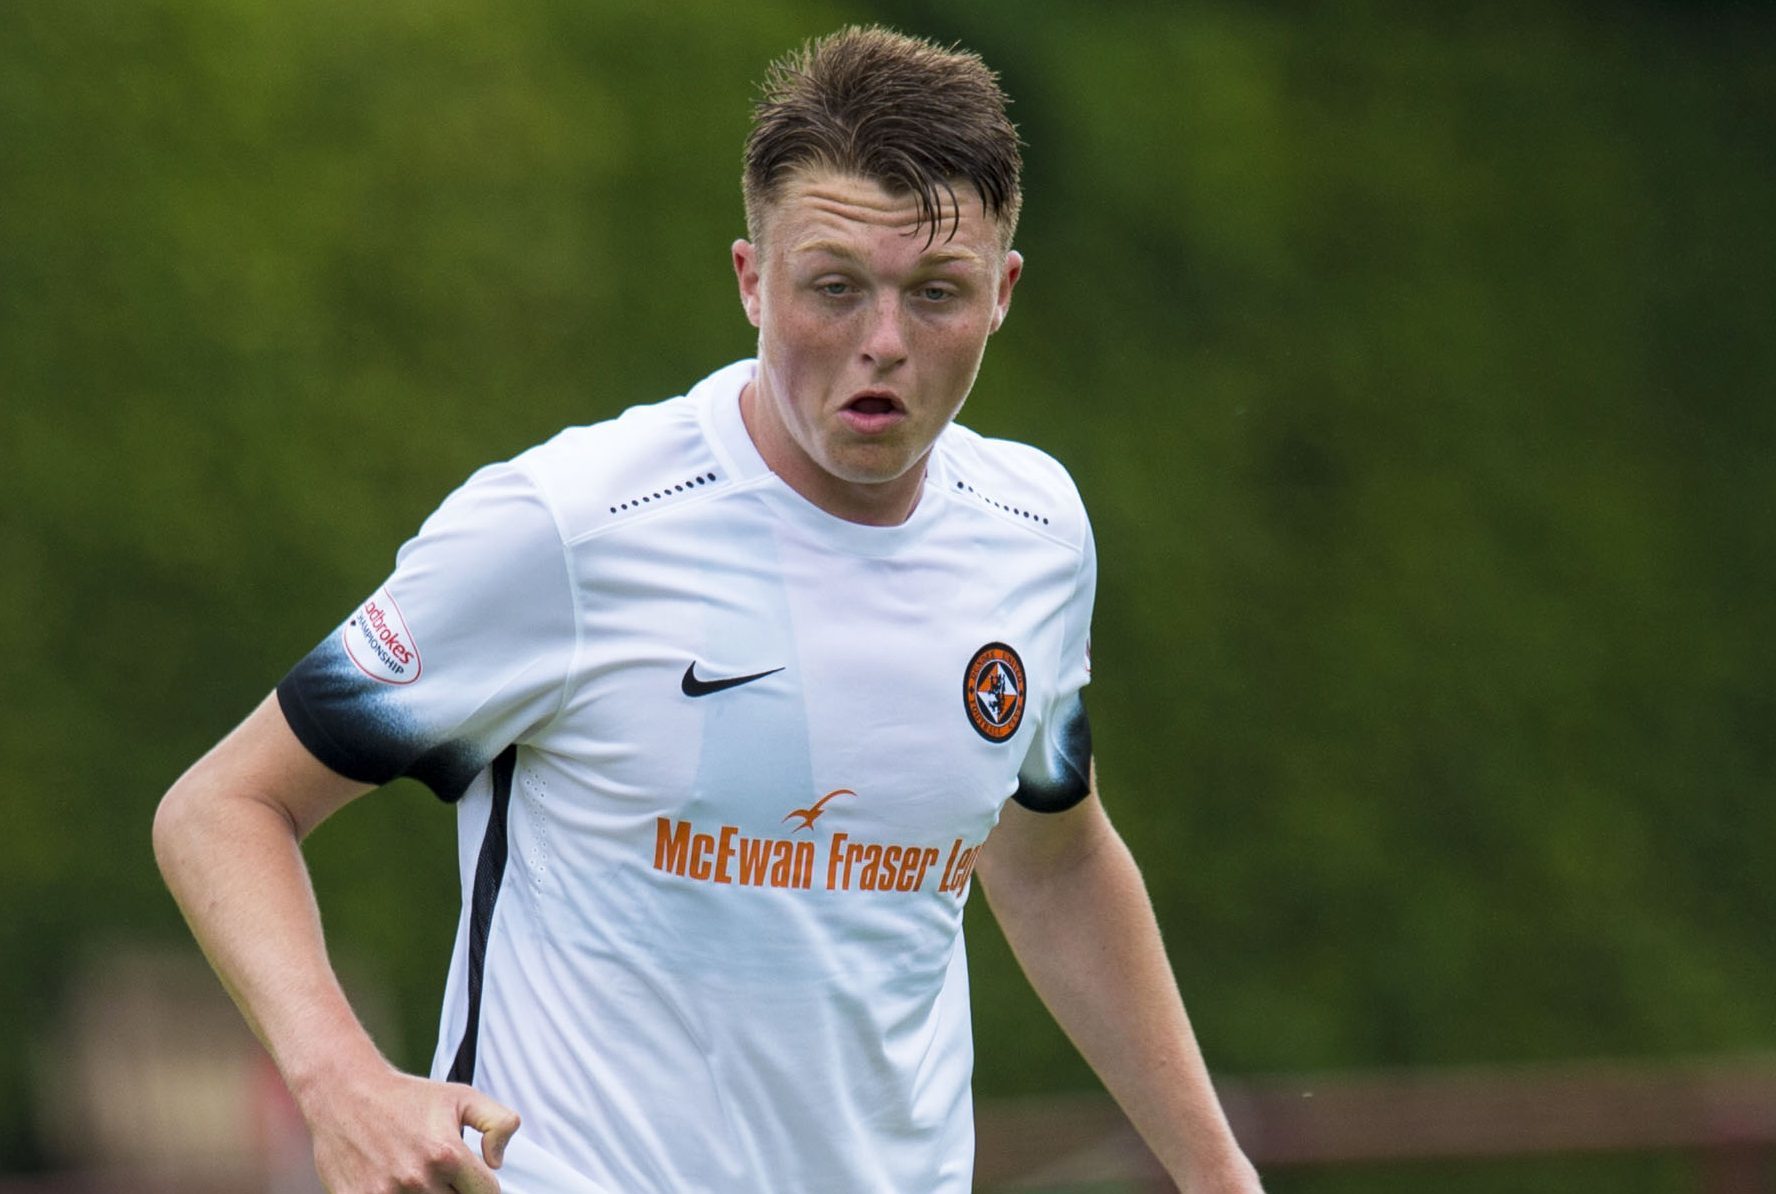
x: 959, y: 348
x: 808, y: 336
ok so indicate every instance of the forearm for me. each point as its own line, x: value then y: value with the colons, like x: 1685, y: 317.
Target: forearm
x: 233, y: 863
x: 228, y: 840
x: 1084, y: 932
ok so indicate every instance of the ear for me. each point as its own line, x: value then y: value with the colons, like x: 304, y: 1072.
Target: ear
x: 746, y: 273
x: 1008, y: 278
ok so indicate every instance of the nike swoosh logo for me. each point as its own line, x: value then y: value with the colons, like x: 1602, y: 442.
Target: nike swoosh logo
x: 695, y: 687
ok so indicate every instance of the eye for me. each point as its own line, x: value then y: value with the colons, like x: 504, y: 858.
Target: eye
x: 833, y: 289
x: 936, y: 294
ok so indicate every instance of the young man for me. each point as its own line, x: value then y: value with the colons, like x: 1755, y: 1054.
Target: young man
x: 734, y: 694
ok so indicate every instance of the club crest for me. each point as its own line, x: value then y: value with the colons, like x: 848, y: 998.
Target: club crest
x: 993, y: 692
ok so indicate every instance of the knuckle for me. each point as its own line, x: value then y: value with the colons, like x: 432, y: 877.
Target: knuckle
x: 417, y: 1175
x: 441, y: 1159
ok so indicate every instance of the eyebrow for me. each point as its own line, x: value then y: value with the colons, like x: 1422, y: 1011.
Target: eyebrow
x: 833, y: 248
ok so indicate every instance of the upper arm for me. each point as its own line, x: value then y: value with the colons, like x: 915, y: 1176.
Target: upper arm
x: 1029, y: 846
x: 262, y: 761
x: 465, y: 649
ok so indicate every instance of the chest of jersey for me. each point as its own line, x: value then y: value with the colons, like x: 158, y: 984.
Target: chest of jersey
x: 760, y: 730
x: 737, y: 671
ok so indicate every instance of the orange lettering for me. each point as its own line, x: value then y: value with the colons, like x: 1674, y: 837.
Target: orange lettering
x: 912, y: 873
x: 965, y: 870
x: 723, y: 852
x: 891, y: 865
x: 958, y: 868
x: 950, y: 865
x: 701, y: 847
x: 836, y: 854
x: 872, y: 867
x: 671, y: 845
x: 755, y: 855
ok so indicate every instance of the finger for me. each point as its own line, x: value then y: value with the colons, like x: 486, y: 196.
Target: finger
x: 496, y: 1123
x: 474, y: 1181
x: 472, y: 1177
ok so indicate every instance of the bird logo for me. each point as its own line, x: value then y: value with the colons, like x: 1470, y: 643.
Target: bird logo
x: 810, y: 815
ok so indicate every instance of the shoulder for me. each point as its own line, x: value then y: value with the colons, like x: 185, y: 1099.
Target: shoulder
x: 1021, y: 484
x: 591, y: 475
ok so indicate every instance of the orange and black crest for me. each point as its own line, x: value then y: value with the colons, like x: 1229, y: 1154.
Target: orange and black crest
x: 993, y: 692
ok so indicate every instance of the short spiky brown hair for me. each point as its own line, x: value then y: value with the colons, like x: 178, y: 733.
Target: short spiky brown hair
x: 899, y: 110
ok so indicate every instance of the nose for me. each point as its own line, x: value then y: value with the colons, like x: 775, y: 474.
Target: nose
x: 884, y: 341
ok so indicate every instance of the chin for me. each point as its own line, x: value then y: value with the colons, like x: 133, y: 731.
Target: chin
x: 871, y: 468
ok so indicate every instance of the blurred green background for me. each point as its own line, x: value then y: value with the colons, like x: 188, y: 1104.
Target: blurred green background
x: 1415, y: 363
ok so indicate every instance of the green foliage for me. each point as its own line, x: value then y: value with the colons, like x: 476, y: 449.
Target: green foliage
x: 1414, y: 367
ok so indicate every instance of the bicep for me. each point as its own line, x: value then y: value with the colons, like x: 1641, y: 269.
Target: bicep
x: 262, y: 761
x: 1028, y: 846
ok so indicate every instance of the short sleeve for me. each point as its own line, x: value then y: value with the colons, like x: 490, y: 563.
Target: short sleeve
x: 464, y: 650
x: 1056, y: 772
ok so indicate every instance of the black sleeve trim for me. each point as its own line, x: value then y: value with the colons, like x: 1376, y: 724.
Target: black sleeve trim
x: 1070, y: 782
x: 352, y: 764
x: 447, y: 769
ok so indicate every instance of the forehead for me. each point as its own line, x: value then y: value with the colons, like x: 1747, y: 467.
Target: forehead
x: 823, y: 210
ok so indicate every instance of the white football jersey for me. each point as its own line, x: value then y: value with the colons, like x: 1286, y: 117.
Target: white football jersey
x: 723, y: 763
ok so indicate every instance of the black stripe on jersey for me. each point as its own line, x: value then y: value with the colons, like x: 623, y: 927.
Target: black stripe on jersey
x: 1066, y: 778
x: 490, y: 868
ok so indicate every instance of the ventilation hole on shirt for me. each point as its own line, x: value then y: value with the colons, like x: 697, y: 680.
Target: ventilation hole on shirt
x: 664, y: 492
x: 1029, y: 515
x: 539, y: 848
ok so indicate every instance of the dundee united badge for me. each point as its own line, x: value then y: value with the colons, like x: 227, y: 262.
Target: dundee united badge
x: 993, y: 692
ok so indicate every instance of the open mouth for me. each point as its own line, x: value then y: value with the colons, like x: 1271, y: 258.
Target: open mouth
x: 873, y: 404
x: 873, y: 413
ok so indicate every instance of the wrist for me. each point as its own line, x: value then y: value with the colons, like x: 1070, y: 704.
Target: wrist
x: 321, y: 1075
x: 1226, y: 1171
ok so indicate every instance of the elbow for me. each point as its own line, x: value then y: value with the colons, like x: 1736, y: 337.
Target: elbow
x: 173, y: 827
x: 210, y: 815
x: 193, y: 816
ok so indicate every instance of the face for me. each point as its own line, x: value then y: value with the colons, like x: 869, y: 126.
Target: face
x: 869, y: 338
